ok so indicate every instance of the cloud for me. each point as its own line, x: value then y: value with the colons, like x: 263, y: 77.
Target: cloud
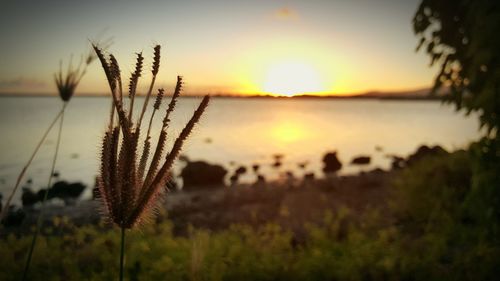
x: 286, y: 13
x: 21, y: 83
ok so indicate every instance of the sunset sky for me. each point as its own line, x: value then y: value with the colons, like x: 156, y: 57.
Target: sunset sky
x: 224, y: 46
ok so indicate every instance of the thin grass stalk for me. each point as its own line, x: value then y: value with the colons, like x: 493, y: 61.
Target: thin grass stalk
x: 173, y: 101
x: 42, y: 208
x: 149, y: 192
x: 147, y: 143
x: 155, y: 161
x: 146, y: 100
x: 153, y: 168
x: 122, y: 121
x: 5, y: 210
x: 150, y: 123
x: 154, y: 71
x: 177, y: 147
x: 122, y: 253
x: 112, y: 115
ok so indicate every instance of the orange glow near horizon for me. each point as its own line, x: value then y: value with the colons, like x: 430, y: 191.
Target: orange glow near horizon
x: 282, y: 66
x: 259, y: 48
x: 278, y: 66
x: 286, y: 67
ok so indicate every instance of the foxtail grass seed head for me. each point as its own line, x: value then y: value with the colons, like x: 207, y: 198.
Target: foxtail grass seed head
x: 67, y: 82
x: 159, y: 97
x: 127, y: 187
x: 156, y: 60
x: 114, y: 67
x: 106, y: 66
x: 134, y: 78
x: 173, y: 102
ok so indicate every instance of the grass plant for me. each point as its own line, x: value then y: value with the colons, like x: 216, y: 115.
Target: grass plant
x: 128, y: 191
x: 66, y: 83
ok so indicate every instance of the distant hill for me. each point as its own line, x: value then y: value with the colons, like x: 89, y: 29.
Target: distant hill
x: 410, y: 94
x: 419, y: 94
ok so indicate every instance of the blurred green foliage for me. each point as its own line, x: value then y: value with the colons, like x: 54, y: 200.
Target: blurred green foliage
x: 462, y: 37
x: 238, y: 253
x: 445, y: 226
x: 447, y: 208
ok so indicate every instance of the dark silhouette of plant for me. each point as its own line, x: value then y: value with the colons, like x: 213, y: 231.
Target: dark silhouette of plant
x: 5, y: 208
x: 462, y: 37
x: 66, y: 83
x: 129, y: 191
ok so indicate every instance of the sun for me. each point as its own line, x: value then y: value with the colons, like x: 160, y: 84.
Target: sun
x: 289, y: 78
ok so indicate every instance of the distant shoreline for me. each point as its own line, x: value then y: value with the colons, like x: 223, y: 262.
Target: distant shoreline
x: 269, y: 97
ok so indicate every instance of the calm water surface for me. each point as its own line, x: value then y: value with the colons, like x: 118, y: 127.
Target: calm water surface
x: 241, y: 131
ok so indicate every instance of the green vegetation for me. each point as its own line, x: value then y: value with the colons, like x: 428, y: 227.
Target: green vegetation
x: 239, y: 253
x: 448, y: 213
x: 451, y: 205
x: 462, y: 37
x: 446, y: 227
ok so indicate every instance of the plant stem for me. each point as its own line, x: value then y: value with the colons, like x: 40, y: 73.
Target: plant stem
x: 122, y: 253
x: 146, y: 100
x: 42, y: 208
x: 5, y: 209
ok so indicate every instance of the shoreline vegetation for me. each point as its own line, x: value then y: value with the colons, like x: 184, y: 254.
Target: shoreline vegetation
x: 370, y: 226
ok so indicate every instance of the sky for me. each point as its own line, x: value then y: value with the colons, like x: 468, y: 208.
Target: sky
x: 219, y: 47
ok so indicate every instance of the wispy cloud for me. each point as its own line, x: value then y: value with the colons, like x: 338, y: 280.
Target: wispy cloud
x: 21, y: 83
x: 286, y: 13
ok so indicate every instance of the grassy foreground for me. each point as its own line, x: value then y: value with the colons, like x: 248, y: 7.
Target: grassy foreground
x: 446, y: 228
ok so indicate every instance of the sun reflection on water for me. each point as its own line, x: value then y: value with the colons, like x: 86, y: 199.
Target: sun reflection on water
x: 287, y: 132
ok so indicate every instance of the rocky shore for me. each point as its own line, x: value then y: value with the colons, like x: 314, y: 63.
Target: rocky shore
x: 289, y: 202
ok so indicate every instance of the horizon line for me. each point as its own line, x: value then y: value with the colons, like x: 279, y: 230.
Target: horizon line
x: 370, y: 93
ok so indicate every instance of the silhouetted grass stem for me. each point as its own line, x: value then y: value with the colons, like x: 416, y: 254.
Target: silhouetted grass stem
x: 42, y: 208
x: 5, y: 209
x: 149, y: 192
x: 122, y: 252
x: 154, y: 71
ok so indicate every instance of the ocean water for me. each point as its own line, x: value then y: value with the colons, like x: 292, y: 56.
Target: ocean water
x: 235, y: 132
